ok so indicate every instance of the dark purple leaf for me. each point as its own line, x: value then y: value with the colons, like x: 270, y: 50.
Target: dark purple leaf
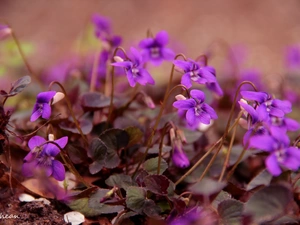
x: 263, y: 178
x: 114, y: 140
x: 157, y: 184
x: 120, y: 181
x: 94, y: 101
x: 135, y: 135
x: 86, y: 126
x: 76, y: 153
x: 18, y: 86
x: 268, y: 203
x: 207, y: 187
x: 230, y: 212
x: 98, y: 152
x: 151, y: 209
x: 140, y: 177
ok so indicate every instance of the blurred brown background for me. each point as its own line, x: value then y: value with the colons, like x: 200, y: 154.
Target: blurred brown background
x: 266, y: 27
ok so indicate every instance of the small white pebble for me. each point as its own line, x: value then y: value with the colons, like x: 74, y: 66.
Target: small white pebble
x: 26, y: 198
x: 45, y: 201
x: 75, y: 218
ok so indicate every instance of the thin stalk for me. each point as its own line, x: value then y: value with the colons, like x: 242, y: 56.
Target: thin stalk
x: 73, y: 170
x: 94, y: 71
x: 211, y: 161
x: 156, y: 125
x: 236, y: 164
x: 68, y: 164
x: 70, y: 108
x: 171, y: 77
x: 229, y: 149
x: 113, y: 83
x: 160, y: 146
x: 16, y: 40
x: 227, y: 127
x: 203, y: 157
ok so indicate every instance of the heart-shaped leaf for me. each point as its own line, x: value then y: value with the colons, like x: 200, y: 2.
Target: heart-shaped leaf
x: 207, y: 187
x: 151, y: 166
x: 157, y: 184
x: 268, y: 203
x: 263, y: 178
x: 18, y: 86
x: 230, y: 212
x: 120, y: 181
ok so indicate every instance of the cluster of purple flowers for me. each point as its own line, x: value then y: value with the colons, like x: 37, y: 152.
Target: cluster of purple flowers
x: 42, y: 153
x: 267, y: 127
x: 193, y: 71
x: 152, y: 50
x: 41, y: 158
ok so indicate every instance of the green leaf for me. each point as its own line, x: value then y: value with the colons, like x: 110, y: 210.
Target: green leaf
x: 263, y: 178
x: 120, y: 181
x: 135, y: 135
x: 135, y: 198
x: 230, y: 212
x: 151, y: 165
x: 268, y: 203
x: 88, y: 202
x: 155, y: 149
x: 222, y: 196
x: 94, y: 203
x: 207, y: 187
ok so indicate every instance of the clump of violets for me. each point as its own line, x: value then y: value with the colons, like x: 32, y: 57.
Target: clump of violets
x: 267, y: 127
x: 197, y: 111
x: 134, y: 69
x: 41, y: 157
x: 42, y: 107
x: 194, y: 72
x: 154, y: 48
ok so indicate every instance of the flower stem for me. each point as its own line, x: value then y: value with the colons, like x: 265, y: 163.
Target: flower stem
x: 113, y: 84
x: 94, y: 70
x: 161, y: 145
x: 229, y: 149
x: 70, y: 108
x: 156, y: 124
x: 16, y: 40
x: 236, y: 163
x: 227, y: 127
x: 203, y: 157
x: 68, y: 162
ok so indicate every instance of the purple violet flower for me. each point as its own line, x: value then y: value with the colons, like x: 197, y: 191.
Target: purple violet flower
x: 42, y: 106
x: 190, y: 216
x: 293, y: 57
x: 41, y: 157
x: 267, y: 104
x: 281, y: 154
x: 102, y: 26
x: 153, y: 49
x: 134, y: 69
x: 199, y: 74
x: 197, y: 110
